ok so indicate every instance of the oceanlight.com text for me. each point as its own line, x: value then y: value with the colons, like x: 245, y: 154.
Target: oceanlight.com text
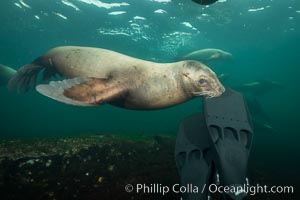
x: 157, y: 188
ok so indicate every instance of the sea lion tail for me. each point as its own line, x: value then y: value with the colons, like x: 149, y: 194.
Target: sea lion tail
x: 6, y: 73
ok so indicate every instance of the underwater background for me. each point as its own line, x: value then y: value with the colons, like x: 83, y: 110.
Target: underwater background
x: 263, y: 36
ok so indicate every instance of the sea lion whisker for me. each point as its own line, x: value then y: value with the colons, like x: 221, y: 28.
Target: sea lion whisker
x: 200, y: 93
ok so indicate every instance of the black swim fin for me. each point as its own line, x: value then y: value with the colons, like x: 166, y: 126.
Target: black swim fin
x: 213, y: 147
x: 193, y: 155
x: 230, y: 128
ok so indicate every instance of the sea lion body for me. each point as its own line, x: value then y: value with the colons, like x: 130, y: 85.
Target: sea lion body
x: 97, y: 76
x: 208, y: 55
x: 87, y: 62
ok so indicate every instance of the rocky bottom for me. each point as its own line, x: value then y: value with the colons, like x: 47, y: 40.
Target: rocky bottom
x: 93, y: 167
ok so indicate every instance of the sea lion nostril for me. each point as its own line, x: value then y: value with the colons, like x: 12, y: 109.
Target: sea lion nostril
x: 222, y: 90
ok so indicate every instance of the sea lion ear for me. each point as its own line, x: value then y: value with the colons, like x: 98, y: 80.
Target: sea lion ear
x: 186, y: 74
x: 81, y: 91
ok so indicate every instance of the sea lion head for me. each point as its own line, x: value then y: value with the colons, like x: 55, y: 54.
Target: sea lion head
x: 226, y: 56
x: 200, y: 80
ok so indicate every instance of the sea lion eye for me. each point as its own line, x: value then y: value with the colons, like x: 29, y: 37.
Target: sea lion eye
x: 202, y: 81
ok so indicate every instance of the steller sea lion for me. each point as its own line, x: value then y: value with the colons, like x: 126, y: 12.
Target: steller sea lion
x: 207, y: 55
x: 96, y: 76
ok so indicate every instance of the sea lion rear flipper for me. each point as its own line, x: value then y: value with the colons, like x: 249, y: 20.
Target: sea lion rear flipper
x: 6, y: 73
x: 82, y: 91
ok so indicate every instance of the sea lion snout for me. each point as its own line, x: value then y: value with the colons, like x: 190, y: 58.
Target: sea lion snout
x: 228, y: 56
x: 221, y: 90
x: 214, y: 87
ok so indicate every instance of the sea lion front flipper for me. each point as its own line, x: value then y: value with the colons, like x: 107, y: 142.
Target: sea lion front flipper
x: 214, y: 56
x: 81, y: 91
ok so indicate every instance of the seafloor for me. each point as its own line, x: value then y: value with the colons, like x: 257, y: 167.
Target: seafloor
x: 93, y: 167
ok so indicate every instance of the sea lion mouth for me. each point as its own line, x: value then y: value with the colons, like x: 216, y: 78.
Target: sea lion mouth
x: 210, y: 94
x: 206, y: 94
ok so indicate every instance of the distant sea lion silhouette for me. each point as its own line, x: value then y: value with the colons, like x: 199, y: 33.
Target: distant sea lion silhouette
x: 97, y: 76
x: 208, y: 55
x: 260, y: 87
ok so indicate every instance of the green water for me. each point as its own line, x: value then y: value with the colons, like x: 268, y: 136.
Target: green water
x: 263, y: 36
